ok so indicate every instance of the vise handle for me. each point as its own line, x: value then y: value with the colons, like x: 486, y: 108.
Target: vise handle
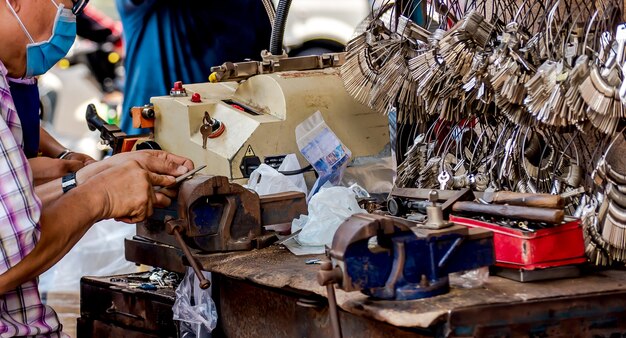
x: 175, y: 229
x: 327, y: 276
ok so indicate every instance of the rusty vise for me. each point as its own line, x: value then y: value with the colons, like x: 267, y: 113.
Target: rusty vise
x: 212, y: 214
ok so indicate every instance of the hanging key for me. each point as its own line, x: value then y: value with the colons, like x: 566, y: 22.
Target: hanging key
x: 508, y: 148
x: 443, y: 179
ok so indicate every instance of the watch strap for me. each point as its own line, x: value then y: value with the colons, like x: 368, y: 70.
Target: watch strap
x: 68, y: 182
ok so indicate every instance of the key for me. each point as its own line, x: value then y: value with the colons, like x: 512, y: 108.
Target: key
x: 443, y: 179
x: 205, y: 130
x: 505, y: 161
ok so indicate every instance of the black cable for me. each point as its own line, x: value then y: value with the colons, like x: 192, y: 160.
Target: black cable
x: 278, y: 29
x: 297, y: 171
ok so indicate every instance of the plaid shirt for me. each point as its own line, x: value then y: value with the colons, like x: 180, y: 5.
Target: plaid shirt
x: 21, y: 310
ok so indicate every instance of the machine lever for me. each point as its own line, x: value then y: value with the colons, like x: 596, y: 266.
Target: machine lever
x: 327, y: 276
x: 175, y: 229
x: 110, y: 134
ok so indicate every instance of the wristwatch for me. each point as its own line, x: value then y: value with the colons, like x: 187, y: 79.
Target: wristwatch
x: 68, y: 182
x: 64, y: 154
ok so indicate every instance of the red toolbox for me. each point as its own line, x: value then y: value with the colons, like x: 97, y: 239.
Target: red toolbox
x: 544, y: 248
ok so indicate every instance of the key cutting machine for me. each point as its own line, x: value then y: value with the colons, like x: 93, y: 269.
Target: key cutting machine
x: 249, y: 114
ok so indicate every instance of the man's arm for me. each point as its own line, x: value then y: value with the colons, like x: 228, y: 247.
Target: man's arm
x: 50, y: 147
x: 46, y: 169
x: 152, y: 160
x: 124, y: 192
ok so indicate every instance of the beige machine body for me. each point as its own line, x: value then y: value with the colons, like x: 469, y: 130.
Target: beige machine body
x: 274, y: 105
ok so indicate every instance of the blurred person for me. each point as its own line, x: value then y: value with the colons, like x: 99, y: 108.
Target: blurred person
x: 39, y: 225
x: 48, y: 159
x: 168, y: 41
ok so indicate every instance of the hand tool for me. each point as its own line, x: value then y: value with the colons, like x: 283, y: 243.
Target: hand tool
x: 288, y: 237
x: 552, y: 216
x: 181, y: 178
x: 521, y: 199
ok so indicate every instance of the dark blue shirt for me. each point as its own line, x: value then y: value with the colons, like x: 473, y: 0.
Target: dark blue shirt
x: 26, y: 99
x: 168, y: 41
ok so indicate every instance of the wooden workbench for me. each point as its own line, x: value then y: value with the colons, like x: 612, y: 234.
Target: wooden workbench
x: 570, y: 304
x: 273, y: 293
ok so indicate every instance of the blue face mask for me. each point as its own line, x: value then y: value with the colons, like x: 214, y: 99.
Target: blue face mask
x: 41, y: 56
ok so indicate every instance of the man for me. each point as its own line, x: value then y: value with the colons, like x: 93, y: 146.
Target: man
x: 37, y: 228
x: 168, y: 41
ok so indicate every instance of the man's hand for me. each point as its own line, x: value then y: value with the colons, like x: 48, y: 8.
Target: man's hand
x: 128, y: 181
x: 120, y: 187
x: 156, y: 161
x: 84, y: 158
x: 46, y: 169
x: 128, y: 193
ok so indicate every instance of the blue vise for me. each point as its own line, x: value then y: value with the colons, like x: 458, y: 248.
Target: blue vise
x: 389, y: 258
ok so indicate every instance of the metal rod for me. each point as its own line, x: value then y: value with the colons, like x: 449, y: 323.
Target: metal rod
x: 453, y: 247
x: 204, y: 283
x: 333, y: 310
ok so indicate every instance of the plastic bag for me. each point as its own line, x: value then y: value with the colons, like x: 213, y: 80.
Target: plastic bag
x: 266, y: 180
x: 194, y: 308
x: 291, y: 163
x: 327, y: 210
x: 323, y: 149
x: 374, y: 173
x: 100, y: 252
x: 469, y: 279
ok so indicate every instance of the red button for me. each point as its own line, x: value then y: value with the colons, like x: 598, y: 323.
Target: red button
x: 178, y: 85
x: 196, y: 98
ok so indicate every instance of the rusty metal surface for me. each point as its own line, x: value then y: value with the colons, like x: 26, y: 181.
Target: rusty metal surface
x: 271, y: 267
x: 277, y: 268
x: 154, y: 254
x: 248, y: 310
x: 282, y: 208
x: 202, y: 198
x: 215, y: 215
x: 597, y: 315
x: 88, y: 328
x: 117, y: 304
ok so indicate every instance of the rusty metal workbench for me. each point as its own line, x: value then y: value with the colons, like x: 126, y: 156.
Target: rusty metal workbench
x: 593, y: 304
x: 273, y: 293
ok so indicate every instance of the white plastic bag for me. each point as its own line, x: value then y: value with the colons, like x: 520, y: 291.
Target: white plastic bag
x: 100, y: 252
x: 194, y: 308
x: 323, y: 149
x: 266, y: 180
x: 327, y: 210
x: 291, y: 163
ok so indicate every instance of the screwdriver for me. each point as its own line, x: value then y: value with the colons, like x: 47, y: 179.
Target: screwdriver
x: 181, y: 178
